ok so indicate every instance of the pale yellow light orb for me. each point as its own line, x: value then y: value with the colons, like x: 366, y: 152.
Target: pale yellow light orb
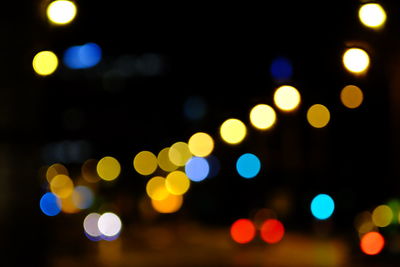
x: 356, y: 60
x: 61, y: 12
x: 287, y: 98
x: 372, y: 15
x: 233, y: 131
x: 262, y: 116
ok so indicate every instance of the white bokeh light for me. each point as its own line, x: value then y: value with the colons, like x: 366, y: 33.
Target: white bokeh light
x: 109, y: 224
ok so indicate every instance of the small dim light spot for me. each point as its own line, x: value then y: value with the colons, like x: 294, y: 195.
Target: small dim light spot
x: 272, y: 231
x: 170, y: 204
x: 372, y: 243
x: 356, y: 60
x: 287, y: 98
x: 201, y: 144
x: 82, y: 197
x: 322, y: 206
x: 372, y: 15
x: 248, y: 165
x: 145, y: 163
x: 233, y: 131
x: 108, y: 168
x: 382, y: 216
x: 194, y: 108
x: 197, y: 169
x: 318, y: 116
x: 89, y: 171
x: 90, y: 225
x: 363, y: 222
x: 109, y: 224
x: 281, y: 69
x: 179, y: 153
x: 243, y: 231
x: 164, y: 162
x: 45, y: 63
x: 351, y: 96
x: 68, y: 206
x: 62, y: 186
x: 156, y: 188
x: 54, y: 170
x: 61, y: 12
x: 50, y: 204
x: 177, y: 183
x: 262, y: 116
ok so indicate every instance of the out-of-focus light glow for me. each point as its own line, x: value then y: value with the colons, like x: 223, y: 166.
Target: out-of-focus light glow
x: 287, y: 98
x: 233, y: 131
x: 145, y: 163
x: 322, y: 206
x: 272, y: 231
x: 170, y: 204
x: 281, y: 69
x: 164, y: 162
x: 248, y: 165
x: 382, y: 216
x: 243, y: 231
x: 262, y: 215
x: 108, y: 168
x: 50, y: 204
x: 372, y: 243
x: 61, y: 12
x: 68, y: 206
x: 62, y: 186
x: 109, y: 224
x: 179, y: 153
x: 356, y: 60
x: 82, y: 197
x: 394, y: 205
x: 197, y: 169
x: 318, y: 116
x: 363, y: 222
x: 372, y: 15
x: 262, y: 116
x: 214, y: 166
x: 82, y: 56
x: 351, y: 96
x: 89, y: 171
x: 156, y: 188
x: 201, y: 144
x: 45, y: 63
x: 194, y: 108
x: 54, y: 170
x: 90, y: 225
x: 177, y: 183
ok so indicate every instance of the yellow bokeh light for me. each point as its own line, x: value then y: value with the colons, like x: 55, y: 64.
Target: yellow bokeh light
x: 262, y: 116
x: 287, y: 98
x: 68, y: 205
x: 62, y: 186
x: 356, y: 60
x: 108, y: 168
x: 233, y: 131
x: 351, y: 96
x: 145, y: 163
x: 177, y: 183
x: 201, y: 144
x: 45, y: 63
x: 318, y: 116
x: 170, y: 204
x: 164, y: 162
x: 372, y: 15
x: 61, y: 12
x: 382, y: 216
x: 363, y: 223
x: 54, y: 170
x: 179, y: 153
x: 156, y: 188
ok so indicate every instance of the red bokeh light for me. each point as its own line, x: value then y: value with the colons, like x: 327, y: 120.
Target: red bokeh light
x: 272, y: 231
x: 243, y: 231
x: 372, y: 243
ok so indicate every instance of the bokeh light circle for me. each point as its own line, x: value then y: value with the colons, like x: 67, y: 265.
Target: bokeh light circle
x: 243, y: 231
x: 164, y: 161
x: 262, y: 116
x: 197, y: 169
x: 372, y: 15
x: 62, y: 186
x: 281, y: 69
x: 179, y: 153
x: 248, y: 165
x: 318, y: 116
x: 145, y: 163
x: 90, y: 224
x: 351, y: 96
x: 201, y: 144
x: 156, y: 188
x: 382, y: 216
x: 372, y: 243
x: 177, y: 183
x: 170, y: 204
x: 108, y: 168
x: 50, y: 204
x: 82, y: 197
x: 356, y: 60
x: 61, y: 12
x: 287, y: 98
x: 272, y: 231
x: 109, y: 224
x: 45, y: 63
x: 233, y: 131
x: 322, y: 206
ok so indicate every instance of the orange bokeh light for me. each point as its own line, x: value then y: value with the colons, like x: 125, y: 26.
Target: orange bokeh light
x: 272, y: 231
x: 243, y: 231
x: 372, y: 243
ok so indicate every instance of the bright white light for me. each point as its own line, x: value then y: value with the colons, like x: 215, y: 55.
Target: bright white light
x: 109, y: 224
x: 61, y: 11
x: 90, y: 224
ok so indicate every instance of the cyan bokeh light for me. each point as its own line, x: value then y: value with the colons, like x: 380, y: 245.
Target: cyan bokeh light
x: 322, y: 206
x: 248, y: 165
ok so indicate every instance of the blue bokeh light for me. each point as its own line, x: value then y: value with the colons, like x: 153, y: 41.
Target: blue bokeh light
x: 197, y: 169
x: 82, y: 56
x: 322, y: 206
x: 50, y: 204
x: 248, y: 165
x: 281, y: 69
x: 82, y: 197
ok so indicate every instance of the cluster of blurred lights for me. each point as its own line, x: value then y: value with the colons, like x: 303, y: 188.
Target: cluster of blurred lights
x: 106, y: 226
